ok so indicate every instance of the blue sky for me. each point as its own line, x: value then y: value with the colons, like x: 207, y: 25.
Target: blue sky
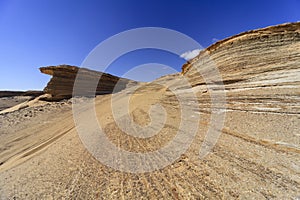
x: 35, y: 33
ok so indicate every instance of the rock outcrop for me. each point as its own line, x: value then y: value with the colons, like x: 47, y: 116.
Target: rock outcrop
x: 260, y: 69
x: 63, y: 78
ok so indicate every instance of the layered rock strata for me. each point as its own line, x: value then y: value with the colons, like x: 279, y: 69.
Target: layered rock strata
x: 260, y: 70
x: 63, y: 78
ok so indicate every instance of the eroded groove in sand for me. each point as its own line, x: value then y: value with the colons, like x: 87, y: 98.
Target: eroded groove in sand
x: 17, y: 159
x: 264, y: 143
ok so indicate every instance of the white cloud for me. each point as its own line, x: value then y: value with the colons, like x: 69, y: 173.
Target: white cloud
x: 214, y: 40
x: 190, y: 54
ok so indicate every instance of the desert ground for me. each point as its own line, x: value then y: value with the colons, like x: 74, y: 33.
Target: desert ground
x: 42, y: 155
x: 256, y: 156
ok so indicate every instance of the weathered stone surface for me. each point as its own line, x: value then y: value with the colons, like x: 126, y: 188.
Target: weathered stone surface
x: 63, y: 78
x: 260, y: 69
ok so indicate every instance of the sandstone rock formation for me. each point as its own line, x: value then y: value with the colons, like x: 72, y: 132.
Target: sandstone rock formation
x: 256, y: 156
x: 61, y: 84
x: 260, y: 69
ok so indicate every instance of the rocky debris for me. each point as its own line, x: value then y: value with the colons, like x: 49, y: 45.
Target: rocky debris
x: 7, y: 102
x: 12, y: 98
x: 25, y: 113
x: 63, y: 78
x: 31, y: 102
x: 260, y: 69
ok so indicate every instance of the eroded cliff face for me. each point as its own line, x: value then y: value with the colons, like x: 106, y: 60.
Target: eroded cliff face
x: 63, y: 78
x: 260, y: 69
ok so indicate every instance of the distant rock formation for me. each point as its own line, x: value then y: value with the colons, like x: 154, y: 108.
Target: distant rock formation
x: 32, y: 93
x: 260, y: 69
x: 11, y: 98
x: 63, y: 78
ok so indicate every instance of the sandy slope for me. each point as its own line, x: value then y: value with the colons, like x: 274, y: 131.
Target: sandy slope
x: 7, y: 102
x: 46, y: 159
x: 257, y: 155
